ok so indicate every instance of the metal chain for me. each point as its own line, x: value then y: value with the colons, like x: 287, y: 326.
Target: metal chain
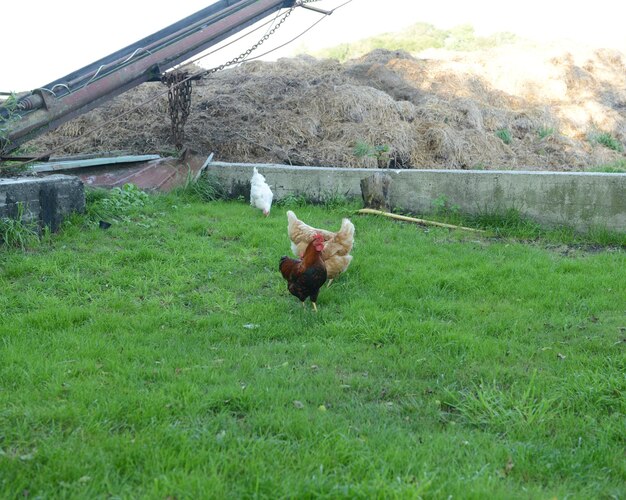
x: 179, y: 83
x: 245, y: 54
x: 178, y: 103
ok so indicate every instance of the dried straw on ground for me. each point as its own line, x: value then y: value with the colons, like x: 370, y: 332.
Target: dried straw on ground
x: 448, y: 111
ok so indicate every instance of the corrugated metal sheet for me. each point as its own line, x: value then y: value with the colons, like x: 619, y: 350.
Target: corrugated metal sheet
x: 149, y: 172
x: 55, y: 166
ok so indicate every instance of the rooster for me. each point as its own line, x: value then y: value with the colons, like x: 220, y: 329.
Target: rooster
x: 306, y: 276
x: 337, y: 246
x: 260, y: 193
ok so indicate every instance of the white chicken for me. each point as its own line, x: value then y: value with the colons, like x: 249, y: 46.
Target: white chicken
x: 261, y: 195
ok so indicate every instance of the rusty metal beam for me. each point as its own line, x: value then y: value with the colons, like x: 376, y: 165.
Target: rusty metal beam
x: 86, y: 89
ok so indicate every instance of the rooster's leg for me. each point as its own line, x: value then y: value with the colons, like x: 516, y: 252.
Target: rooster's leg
x: 329, y: 282
x: 314, y: 306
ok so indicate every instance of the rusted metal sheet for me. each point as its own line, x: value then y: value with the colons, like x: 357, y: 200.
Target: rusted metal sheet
x: 162, y: 174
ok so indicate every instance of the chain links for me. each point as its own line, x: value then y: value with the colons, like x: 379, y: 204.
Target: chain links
x: 179, y: 82
x: 245, y: 54
x: 178, y: 103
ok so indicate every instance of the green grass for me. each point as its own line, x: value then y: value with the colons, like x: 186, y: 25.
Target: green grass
x: 607, y: 140
x: 545, y: 131
x: 164, y: 357
x: 504, y: 135
x: 418, y: 37
x: 10, y: 105
x: 616, y: 167
x: 17, y: 232
x: 511, y: 224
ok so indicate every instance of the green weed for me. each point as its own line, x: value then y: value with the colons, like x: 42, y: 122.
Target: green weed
x: 443, y: 208
x: 117, y: 203
x: 504, y: 135
x: 607, y: 140
x: 381, y: 152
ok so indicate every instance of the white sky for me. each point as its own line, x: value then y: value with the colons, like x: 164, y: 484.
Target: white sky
x: 51, y: 39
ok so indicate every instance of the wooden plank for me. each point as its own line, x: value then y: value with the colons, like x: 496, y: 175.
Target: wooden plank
x: 417, y: 221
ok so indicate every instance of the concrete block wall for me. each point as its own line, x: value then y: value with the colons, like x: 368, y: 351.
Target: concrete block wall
x: 46, y: 200
x: 580, y: 200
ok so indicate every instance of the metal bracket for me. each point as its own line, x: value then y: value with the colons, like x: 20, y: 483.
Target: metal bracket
x: 316, y: 9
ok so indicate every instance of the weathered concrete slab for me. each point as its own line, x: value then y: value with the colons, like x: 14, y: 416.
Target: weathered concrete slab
x: 46, y: 200
x: 577, y: 199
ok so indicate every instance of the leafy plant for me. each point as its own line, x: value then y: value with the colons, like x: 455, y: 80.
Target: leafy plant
x: 17, y: 233
x: 380, y: 152
x: 443, y: 207
x: 293, y: 201
x: 504, y: 135
x: 117, y: 203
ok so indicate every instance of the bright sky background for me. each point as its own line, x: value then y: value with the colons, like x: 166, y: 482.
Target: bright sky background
x: 51, y: 39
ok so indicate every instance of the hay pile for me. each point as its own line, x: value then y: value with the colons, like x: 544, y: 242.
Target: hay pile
x: 513, y: 108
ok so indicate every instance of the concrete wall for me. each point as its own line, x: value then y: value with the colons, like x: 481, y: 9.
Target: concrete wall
x: 47, y: 200
x: 578, y: 199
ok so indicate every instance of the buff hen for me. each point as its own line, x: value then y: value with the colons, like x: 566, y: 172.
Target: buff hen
x: 337, y: 246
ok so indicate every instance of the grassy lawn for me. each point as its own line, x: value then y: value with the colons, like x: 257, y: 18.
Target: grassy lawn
x: 164, y: 357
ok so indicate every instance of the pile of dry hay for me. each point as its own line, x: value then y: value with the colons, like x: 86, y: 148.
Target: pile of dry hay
x: 482, y: 110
